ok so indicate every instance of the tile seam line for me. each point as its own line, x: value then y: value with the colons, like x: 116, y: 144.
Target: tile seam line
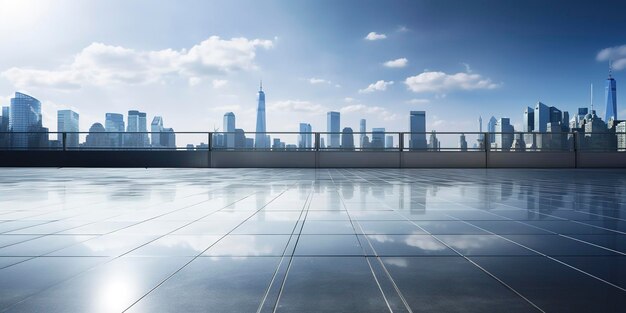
x: 553, y: 259
x: 110, y: 259
x: 365, y: 255
x: 474, y: 263
x: 197, y: 256
x: 275, y: 274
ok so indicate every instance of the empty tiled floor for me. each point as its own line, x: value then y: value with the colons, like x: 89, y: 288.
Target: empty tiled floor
x: 296, y: 240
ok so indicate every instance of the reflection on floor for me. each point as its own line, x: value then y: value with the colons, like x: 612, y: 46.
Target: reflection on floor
x: 296, y: 240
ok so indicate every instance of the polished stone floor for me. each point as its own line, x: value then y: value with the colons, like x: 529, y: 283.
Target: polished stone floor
x: 296, y: 240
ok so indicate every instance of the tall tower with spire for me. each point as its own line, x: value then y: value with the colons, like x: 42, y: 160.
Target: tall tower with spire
x: 610, y: 93
x: 260, y: 136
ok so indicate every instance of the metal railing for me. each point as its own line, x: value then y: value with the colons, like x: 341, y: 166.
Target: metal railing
x: 315, y: 141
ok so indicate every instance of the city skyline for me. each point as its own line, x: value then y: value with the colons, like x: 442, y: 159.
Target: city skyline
x: 455, y: 66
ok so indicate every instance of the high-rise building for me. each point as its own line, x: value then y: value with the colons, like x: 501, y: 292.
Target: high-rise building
x: 168, y: 138
x: 305, y: 137
x: 138, y: 126
x: 25, y: 116
x: 388, y: 142
x: 114, y: 124
x: 596, y: 136
x: 556, y: 116
x: 143, y: 128
x: 229, y: 129
x: 565, y: 122
x: 97, y: 137
x: 610, y: 94
x: 504, y: 134
x: 260, y: 137
x: 542, y: 117
x: 362, y: 130
x: 518, y: 142
x: 378, y: 138
x: 67, y: 122
x: 433, y: 144
x: 5, y: 137
x: 620, y: 130
x: 347, y: 139
x: 491, y: 129
x: 529, y: 120
x: 156, y: 127
x: 241, y: 140
x: 333, y: 122
x: 462, y: 143
x: 417, y: 127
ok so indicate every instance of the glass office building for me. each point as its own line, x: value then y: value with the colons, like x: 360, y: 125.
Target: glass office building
x: 67, y: 121
x: 25, y: 116
x: 417, y: 126
x: 333, y: 122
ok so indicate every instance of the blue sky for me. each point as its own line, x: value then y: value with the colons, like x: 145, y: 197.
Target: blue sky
x: 192, y: 61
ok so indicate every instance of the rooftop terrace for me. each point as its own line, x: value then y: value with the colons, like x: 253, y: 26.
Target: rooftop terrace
x: 307, y: 240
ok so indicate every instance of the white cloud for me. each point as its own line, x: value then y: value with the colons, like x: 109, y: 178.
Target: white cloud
x: 418, y: 101
x: 315, y: 81
x: 617, y: 55
x: 442, y: 82
x: 402, y: 29
x: 296, y: 106
x: 380, y: 85
x: 375, y: 36
x: 349, y: 99
x: 219, y: 83
x: 397, y: 63
x: 100, y: 64
x: 372, y: 110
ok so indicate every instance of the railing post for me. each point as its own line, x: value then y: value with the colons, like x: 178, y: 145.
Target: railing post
x: 64, y: 139
x: 317, y: 141
x: 401, y: 142
x: 210, y: 141
x: 487, y: 143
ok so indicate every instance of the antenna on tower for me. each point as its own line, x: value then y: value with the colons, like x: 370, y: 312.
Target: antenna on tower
x: 261, y: 85
x: 610, y: 68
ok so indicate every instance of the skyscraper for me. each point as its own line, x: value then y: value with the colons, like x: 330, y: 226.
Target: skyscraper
x: 143, y: 127
x: 610, y: 93
x: 5, y: 117
x: 362, y: 130
x: 260, y: 137
x: 333, y: 121
x: 378, y: 138
x: 136, y: 124
x: 504, y: 136
x: 542, y: 117
x: 229, y: 129
x: 67, y: 121
x: 168, y: 138
x: 97, y: 138
x: 4, y: 128
x: 25, y: 116
x: 114, y: 123
x: 529, y: 120
x: 347, y: 139
x: 417, y: 127
x: 491, y: 129
x: 305, y: 138
x: 556, y: 116
x: 156, y: 127
x: 462, y: 143
x: 388, y: 142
